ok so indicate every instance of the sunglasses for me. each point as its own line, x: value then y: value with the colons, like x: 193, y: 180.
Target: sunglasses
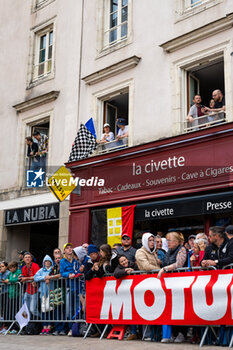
x: 126, y: 238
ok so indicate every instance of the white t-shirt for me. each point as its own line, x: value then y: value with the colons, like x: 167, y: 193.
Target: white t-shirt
x: 108, y: 138
x: 123, y: 132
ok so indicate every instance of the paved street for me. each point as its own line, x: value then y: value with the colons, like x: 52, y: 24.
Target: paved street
x: 66, y: 343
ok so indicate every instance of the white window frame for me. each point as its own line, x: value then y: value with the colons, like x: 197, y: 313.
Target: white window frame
x: 36, y: 33
x: 39, y: 4
x: 104, y: 95
x: 185, y: 9
x: 180, y: 68
x: 103, y: 17
x: 26, y: 126
x: 47, y: 63
x: 118, y: 27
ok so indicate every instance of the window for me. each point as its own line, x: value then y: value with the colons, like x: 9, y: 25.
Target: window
x: 202, y: 72
x: 39, y: 4
x: 114, y: 108
x: 192, y: 3
x: 111, y: 105
x: 203, y: 79
x: 116, y: 26
x: 43, y: 53
x: 187, y: 8
x: 39, y: 144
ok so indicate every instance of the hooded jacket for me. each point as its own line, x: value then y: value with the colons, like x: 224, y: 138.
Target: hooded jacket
x: 146, y: 259
x: 40, y: 277
x: 81, y: 254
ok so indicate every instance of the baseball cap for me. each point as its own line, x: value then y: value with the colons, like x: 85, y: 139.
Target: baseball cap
x: 125, y: 235
x: 191, y: 236
x: 66, y: 245
x: 121, y: 121
x: 106, y: 124
x: 27, y: 253
x: 22, y: 252
x: 229, y: 229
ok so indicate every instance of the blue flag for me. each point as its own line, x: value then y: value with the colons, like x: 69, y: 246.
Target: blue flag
x: 90, y: 126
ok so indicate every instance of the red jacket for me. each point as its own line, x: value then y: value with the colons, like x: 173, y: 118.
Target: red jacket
x: 29, y: 272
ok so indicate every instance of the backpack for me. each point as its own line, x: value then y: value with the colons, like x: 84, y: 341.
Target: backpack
x: 75, y: 329
x: 33, y: 328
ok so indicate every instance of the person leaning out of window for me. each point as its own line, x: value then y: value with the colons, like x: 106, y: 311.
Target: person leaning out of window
x: 107, y: 135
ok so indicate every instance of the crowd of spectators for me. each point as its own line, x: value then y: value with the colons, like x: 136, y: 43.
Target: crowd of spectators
x: 156, y: 255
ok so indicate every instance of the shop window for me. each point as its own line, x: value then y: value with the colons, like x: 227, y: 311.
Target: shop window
x: 203, y: 79
x: 37, y: 151
x: 114, y: 109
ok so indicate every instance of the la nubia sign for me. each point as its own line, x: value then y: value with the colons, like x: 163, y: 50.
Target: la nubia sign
x: 196, y: 298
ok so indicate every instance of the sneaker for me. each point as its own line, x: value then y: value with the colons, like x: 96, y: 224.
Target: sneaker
x: 70, y: 333
x: 56, y: 333
x: 95, y: 335
x: 132, y: 337
x: 3, y: 331
x: 190, y: 332
x: 147, y: 339
x: 62, y: 333
x: 195, y: 339
x: 165, y: 340
x: 13, y: 331
x: 43, y: 332
x: 180, y: 338
x: 48, y: 331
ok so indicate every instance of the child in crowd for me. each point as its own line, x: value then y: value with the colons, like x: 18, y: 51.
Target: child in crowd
x: 4, y: 274
x: 44, y: 292
x: 81, y: 255
x: 125, y: 268
x: 91, y: 269
x: 108, y: 260
x: 13, y: 291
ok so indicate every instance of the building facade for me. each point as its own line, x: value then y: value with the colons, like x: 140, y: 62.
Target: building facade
x: 111, y: 59
x: 148, y: 74
x: 39, y: 88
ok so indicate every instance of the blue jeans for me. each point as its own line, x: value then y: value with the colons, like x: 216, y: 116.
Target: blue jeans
x: 73, y: 306
x: 31, y: 301
x: 59, y: 314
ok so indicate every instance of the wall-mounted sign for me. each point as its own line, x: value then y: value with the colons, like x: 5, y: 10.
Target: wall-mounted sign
x: 200, y: 205
x: 40, y: 213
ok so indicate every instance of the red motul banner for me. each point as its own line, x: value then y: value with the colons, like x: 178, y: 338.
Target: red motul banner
x: 190, y: 298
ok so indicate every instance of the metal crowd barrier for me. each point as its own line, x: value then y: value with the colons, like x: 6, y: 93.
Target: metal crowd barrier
x: 57, y: 301
x: 10, y: 301
x: 178, y: 270
x: 63, y: 300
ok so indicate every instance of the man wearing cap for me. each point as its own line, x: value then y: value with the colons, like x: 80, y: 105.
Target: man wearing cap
x: 126, y: 248
x: 28, y: 271
x: 21, y: 263
x: 123, y: 129
x: 219, y: 252
x: 108, y: 135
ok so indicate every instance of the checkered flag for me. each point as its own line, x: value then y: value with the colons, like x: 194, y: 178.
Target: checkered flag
x: 84, y: 144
